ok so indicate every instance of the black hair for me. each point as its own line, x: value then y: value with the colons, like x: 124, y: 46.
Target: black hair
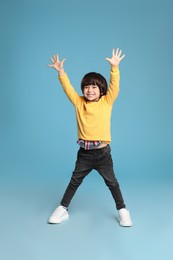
x: 93, y: 78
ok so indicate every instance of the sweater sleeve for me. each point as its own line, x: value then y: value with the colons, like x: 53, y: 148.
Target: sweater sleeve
x: 68, y: 89
x: 113, y: 86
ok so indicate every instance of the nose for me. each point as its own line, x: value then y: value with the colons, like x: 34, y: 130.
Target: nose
x: 89, y: 89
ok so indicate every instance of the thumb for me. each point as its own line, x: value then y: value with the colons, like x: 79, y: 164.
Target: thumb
x: 107, y: 59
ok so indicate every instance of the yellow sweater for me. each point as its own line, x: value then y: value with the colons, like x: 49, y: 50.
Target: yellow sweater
x: 93, y: 118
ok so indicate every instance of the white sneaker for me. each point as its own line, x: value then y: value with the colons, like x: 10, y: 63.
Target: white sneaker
x: 60, y: 214
x: 124, y: 218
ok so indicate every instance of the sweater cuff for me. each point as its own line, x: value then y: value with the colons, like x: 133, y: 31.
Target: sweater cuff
x: 114, y: 68
x: 62, y: 75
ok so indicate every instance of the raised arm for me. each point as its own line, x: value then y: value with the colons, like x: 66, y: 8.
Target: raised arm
x: 64, y: 80
x: 114, y: 75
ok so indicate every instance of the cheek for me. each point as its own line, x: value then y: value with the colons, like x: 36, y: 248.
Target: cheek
x: 98, y: 92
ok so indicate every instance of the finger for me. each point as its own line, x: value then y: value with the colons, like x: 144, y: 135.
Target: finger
x: 117, y: 50
x: 119, y: 53
x: 122, y: 57
x: 52, y: 60
x: 62, y: 62
x: 55, y: 58
x: 107, y: 59
x: 50, y: 65
x: 113, y: 52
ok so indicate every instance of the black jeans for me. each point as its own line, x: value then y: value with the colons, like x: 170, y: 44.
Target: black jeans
x: 100, y: 160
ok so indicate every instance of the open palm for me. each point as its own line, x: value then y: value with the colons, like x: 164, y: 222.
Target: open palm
x: 116, y: 57
x: 56, y: 63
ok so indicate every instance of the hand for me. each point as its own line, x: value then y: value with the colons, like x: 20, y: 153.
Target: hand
x: 57, y: 64
x: 116, y: 57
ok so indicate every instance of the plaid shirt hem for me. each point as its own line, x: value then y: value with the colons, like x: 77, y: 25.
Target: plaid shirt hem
x: 88, y: 145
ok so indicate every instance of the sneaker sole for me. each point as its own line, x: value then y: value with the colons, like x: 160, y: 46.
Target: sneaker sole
x: 58, y: 221
x: 125, y: 225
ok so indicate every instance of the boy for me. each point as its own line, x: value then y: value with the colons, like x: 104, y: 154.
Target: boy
x: 93, y: 114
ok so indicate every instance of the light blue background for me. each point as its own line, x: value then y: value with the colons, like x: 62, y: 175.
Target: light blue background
x: 38, y: 128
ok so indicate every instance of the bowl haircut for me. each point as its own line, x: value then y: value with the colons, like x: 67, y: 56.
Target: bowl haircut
x: 93, y: 78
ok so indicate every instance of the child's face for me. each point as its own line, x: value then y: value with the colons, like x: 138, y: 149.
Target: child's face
x: 91, y: 93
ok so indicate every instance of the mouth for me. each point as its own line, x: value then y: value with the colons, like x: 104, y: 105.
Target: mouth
x: 90, y: 95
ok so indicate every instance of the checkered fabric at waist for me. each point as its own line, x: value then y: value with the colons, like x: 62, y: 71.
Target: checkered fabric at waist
x: 89, y: 145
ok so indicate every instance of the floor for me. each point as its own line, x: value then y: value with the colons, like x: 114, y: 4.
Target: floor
x: 92, y: 232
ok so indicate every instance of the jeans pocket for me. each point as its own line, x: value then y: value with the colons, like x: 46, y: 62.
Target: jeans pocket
x: 107, y: 150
